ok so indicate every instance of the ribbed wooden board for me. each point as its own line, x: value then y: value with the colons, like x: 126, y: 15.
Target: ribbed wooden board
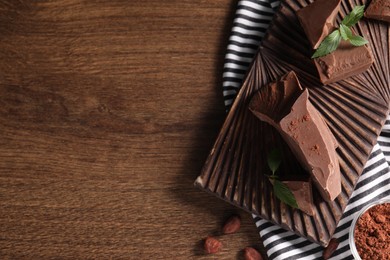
x: 355, y: 110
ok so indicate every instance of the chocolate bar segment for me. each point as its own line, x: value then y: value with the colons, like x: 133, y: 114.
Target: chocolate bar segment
x: 286, y: 106
x: 317, y: 20
x: 347, y: 60
x: 314, y: 145
x: 379, y: 10
x: 302, y: 191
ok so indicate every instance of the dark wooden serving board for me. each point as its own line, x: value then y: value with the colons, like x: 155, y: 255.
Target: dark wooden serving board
x: 355, y: 110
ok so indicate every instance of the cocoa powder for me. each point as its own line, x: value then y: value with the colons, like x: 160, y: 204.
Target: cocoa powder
x: 372, y: 233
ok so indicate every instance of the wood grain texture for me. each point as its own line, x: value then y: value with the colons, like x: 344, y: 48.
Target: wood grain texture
x: 107, y: 112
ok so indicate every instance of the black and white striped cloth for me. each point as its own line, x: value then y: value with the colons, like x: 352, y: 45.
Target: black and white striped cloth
x: 250, y: 24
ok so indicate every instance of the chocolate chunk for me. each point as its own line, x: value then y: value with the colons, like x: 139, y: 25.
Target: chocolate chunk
x: 286, y: 106
x: 346, y: 61
x: 379, y: 10
x: 275, y: 100
x: 317, y: 20
x: 302, y: 191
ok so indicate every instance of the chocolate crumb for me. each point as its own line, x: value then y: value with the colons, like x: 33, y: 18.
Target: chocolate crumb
x: 316, y: 149
x: 380, y: 219
x: 370, y: 241
x: 293, y: 125
x: 306, y: 117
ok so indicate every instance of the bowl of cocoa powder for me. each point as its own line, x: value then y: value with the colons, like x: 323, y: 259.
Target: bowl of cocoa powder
x: 369, y: 236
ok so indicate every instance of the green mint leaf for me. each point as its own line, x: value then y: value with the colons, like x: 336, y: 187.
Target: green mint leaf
x: 283, y: 193
x: 345, y: 32
x: 357, y: 40
x: 354, y: 16
x: 271, y: 178
x: 328, y: 45
x: 274, y: 159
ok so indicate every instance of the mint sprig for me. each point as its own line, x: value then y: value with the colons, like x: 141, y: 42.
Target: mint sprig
x: 274, y: 160
x: 328, y: 45
x: 281, y: 191
x: 345, y: 31
x: 357, y: 40
x: 332, y: 41
x: 354, y: 16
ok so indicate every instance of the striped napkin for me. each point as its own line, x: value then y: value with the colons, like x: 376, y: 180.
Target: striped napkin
x: 250, y: 24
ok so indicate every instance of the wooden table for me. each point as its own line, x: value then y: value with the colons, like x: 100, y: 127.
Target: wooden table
x: 108, y: 110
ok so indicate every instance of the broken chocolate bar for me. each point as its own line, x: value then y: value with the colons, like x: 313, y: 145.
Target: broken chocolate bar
x: 379, y: 10
x: 317, y: 20
x: 302, y: 191
x: 286, y: 106
x: 347, y: 60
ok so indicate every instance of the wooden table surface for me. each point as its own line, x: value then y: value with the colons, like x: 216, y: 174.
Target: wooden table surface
x: 108, y: 110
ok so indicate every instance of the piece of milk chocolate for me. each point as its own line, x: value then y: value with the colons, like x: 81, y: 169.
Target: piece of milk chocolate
x: 302, y: 191
x: 347, y: 60
x: 286, y: 106
x: 317, y: 20
x: 379, y: 10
